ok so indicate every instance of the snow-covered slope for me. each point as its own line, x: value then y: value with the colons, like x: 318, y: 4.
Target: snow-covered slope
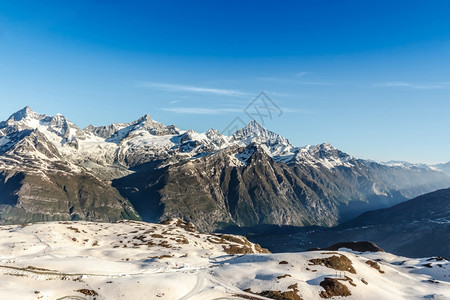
x: 136, y: 260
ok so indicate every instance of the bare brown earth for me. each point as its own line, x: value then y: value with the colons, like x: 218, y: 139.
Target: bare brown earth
x: 374, y: 265
x: 291, y: 294
x: 338, y: 262
x: 333, y: 288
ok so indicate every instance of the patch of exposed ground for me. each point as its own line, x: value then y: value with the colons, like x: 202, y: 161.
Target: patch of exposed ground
x: 291, y: 294
x: 375, y: 265
x: 87, y: 292
x: 283, y: 276
x: 336, y: 262
x: 188, y: 226
x: 236, y: 244
x: 333, y: 288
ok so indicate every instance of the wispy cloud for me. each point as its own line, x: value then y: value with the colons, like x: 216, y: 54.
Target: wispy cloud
x: 393, y: 84
x: 201, y: 110
x: 193, y: 89
x: 298, y: 81
x: 300, y: 74
x: 297, y: 111
x: 278, y: 94
x: 419, y: 86
x: 174, y: 101
x: 324, y: 83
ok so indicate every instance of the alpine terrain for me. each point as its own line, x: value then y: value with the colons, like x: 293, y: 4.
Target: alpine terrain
x: 137, y: 260
x: 50, y: 169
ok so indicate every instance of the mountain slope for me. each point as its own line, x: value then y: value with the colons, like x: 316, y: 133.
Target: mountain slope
x: 27, y: 197
x: 237, y: 186
x: 38, y: 183
x: 137, y: 260
x: 431, y: 207
x: 253, y: 177
x: 443, y: 168
x: 416, y: 228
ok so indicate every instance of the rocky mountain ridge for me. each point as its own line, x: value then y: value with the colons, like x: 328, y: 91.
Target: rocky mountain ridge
x: 155, y: 171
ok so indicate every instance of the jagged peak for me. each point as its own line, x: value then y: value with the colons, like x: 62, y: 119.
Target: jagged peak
x: 252, y: 129
x: 256, y: 132
x: 27, y: 110
x: 255, y: 126
x: 212, y: 131
x: 187, y: 135
x: 326, y: 146
x: 321, y: 147
x: 58, y: 118
x: 326, y: 150
x: 214, y: 134
x: 153, y: 127
x: 255, y: 123
x: 24, y: 113
x: 145, y: 119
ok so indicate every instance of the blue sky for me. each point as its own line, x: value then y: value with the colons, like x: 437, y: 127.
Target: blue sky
x: 370, y: 77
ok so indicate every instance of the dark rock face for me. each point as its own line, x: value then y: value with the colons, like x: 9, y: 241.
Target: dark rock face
x: 10, y: 183
x: 55, y: 197
x: 433, y: 206
x: 213, y: 193
x: 355, y: 246
x: 416, y: 228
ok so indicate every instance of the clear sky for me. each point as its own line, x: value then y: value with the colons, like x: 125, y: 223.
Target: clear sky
x: 370, y: 77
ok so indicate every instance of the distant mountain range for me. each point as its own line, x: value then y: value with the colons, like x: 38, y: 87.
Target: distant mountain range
x: 416, y: 228
x: 445, y: 168
x: 50, y: 169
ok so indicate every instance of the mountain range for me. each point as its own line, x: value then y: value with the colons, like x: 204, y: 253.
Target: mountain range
x: 50, y: 169
x: 418, y: 227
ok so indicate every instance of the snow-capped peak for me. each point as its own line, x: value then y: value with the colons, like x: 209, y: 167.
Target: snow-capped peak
x: 322, y: 155
x: 147, y: 121
x: 25, y: 112
x: 145, y: 118
x: 326, y: 150
x: 145, y: 139
x: 26, y: 118
x: 405, y: 164
x: 153, y: 127
x: 325, y: 146
x: 216, y: 137
x: 255, y: 133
